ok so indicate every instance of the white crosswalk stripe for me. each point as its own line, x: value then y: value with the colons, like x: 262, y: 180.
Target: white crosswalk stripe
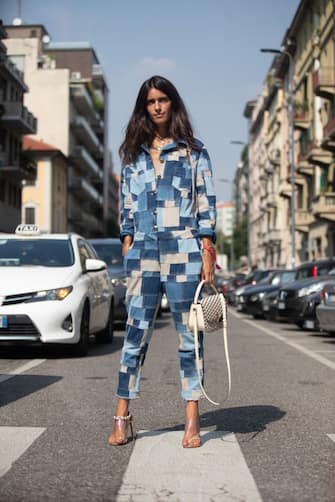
x: 160, y: 469
x: 14, y: 441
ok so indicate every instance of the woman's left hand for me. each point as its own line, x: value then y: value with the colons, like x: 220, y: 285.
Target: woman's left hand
x: 207, y: 271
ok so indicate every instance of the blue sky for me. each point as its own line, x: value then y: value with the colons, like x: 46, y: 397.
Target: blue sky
x: 209, y: 49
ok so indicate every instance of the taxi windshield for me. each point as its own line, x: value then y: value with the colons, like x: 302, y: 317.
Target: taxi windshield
x: 36, y: 252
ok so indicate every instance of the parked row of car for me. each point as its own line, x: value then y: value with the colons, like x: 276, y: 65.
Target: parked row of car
x: 304, y: 296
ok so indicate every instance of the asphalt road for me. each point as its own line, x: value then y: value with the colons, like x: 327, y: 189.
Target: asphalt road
x: 274, y: 440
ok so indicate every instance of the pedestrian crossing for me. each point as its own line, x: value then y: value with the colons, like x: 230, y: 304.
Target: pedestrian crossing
x: 160, y: 469
x: 14, y: 441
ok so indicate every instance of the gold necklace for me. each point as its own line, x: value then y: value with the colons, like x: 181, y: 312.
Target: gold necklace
x: 163, y: 141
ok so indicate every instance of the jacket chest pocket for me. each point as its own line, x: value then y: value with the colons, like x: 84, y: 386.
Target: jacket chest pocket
x: 136, y: 182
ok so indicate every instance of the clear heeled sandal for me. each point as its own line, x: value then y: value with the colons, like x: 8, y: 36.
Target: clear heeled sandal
x: 121, y: 435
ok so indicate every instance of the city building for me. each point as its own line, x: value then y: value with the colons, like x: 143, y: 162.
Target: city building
x: 44, y: 200
x: 225, y: 218
x: 15, y: 121
x: 290, y: 224
x: 69, y: 96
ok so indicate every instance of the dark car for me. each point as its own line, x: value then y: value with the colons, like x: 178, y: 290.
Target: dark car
x: 110, y: 250
x: 253, y: 295
x: 315, y: 268
x: 295, y: 300
x: 252, y: 279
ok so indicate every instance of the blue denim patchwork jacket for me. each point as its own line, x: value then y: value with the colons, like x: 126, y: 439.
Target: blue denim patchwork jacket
x: 162, y: 205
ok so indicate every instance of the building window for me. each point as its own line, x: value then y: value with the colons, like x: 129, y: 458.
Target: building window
x: 29, y: 215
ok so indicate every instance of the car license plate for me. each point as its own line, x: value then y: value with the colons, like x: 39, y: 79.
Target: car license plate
x: 3, y: 321
x: 331, y: 297
x: 266, y: 307
x: 309, y: 324
x: 281, y: 305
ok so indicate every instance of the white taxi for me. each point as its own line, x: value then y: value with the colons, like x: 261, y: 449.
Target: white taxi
x: 53, y: 289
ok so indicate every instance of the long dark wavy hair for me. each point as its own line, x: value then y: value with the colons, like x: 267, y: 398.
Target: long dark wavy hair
x: 141, y: 130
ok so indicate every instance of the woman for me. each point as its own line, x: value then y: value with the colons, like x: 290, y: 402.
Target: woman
x: 167, y: 240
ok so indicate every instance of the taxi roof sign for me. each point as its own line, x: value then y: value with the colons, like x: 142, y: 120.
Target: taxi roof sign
x: 25, y: 229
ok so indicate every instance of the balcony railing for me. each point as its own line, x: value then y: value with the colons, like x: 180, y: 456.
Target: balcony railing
x: 324, y: 82
x: 23, y: 168
x: 323, y: 206
x: 84, y: 104
x: 16, y: 116
x: 274, y: 235
x: 85, y: 191
x: 84, y: 160
x: 85, y: 133
x: 10, y: 68
x: 272, y: 200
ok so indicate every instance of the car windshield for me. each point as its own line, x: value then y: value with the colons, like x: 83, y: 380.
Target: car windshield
x: 36, y: 252
x: 111, y: 253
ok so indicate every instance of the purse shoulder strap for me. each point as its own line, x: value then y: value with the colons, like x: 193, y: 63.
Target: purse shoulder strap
x: 225, y: 340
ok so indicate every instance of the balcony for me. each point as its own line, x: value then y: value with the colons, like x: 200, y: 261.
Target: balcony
x: 319, y: 156
x: 86, y: 163
x: 85, y: 220
x: 85, y: 191
x: 329, y: 135
x: 84, y: 104
x: 23, y: 169
x: 323, y: 206
x: 285, y: 189
x: 86, y: 135
x: 301, y: 120
x: 16, y: 116
x: 303, y: 219
x: 304, y: 167
x: 12, y: 71
x: 324, y: 82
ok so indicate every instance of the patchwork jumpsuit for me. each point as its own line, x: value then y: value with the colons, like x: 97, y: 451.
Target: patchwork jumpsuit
x: 165, y: 255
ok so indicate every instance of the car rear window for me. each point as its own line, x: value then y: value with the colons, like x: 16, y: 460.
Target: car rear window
x: 36, y: 252
x: 111, y: 253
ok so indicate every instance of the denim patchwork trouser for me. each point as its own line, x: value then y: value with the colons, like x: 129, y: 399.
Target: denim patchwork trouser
x: 153, y: 266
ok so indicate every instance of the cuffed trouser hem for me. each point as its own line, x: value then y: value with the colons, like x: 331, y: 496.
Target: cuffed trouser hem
x: 192, y: 395
x: 127, y: 395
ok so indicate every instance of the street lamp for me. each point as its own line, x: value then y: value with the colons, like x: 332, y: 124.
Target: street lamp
x: 290, y: 142
x: 242, y: 143
x: 232, y: 252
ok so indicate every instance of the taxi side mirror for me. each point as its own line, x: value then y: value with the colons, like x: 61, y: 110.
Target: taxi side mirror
x: 94, y: 265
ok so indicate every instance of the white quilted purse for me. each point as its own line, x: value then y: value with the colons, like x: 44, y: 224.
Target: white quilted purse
x: 209, y: 315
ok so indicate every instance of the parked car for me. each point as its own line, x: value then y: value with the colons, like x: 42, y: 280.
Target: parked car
x: 315, y: 268
x: 253, y: 295
x: 252, y: 279
x: 110, y: 250
x: 228, y: 284
x: 294, y: 300
x: 53, y: 289
x: 325, y: 311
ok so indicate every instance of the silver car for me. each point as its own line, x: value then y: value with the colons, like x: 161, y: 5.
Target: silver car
x: 325, y: 312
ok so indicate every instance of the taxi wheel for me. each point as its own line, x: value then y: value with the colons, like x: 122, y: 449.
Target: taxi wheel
x: 107, y: 334
x: 81, y: 348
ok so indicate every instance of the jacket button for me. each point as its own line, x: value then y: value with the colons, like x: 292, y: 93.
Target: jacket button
x: 154, y: 192
x: 161, y: 161
x: 155, y: 227
x: 159, y: 176
x: 154, y: 211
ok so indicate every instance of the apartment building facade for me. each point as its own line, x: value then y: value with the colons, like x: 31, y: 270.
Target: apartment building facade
x: 15, y: 121
x: 69, y: 95
x: 310, y: 42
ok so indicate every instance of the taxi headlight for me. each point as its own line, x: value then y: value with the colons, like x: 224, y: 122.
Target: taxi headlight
x: 51, y: 294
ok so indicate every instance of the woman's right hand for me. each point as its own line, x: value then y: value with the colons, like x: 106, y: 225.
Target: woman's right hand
x: 127, y: 242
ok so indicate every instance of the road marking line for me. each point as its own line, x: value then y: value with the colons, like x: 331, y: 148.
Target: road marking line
x: 307, y: 352
x: 14, y: 441
x: 160, y: 469
x: 332, y: 437
x: 324, y: 351
x: 21, y: 369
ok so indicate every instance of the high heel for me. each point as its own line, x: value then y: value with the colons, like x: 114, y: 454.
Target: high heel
x: 122, y: 434
x: 192, y: 426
